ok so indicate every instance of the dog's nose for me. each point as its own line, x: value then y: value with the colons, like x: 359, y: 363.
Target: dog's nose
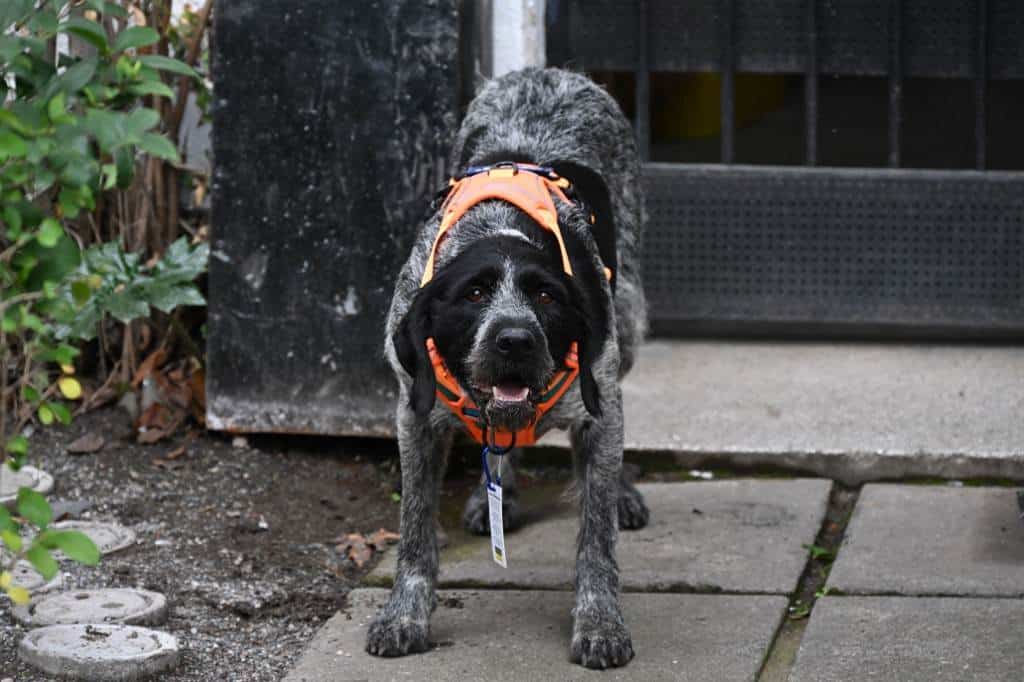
x: 515, y: 341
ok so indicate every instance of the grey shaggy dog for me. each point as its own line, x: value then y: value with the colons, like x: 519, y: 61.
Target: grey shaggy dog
x: 560, y: 119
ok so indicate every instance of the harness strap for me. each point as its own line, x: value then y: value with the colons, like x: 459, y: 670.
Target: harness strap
x: 529, y: 191
x: 530, y: 188
x: 463, y: 407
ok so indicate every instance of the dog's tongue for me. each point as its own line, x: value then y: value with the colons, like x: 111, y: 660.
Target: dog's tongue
x: 511, y: 393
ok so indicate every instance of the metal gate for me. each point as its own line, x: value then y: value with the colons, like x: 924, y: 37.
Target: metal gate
x: 923, y: 237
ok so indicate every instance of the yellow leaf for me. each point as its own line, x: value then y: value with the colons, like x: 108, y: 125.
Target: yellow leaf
x: 5, y: 580
x: 18, y: 595
x: 67, y: 369
x: 70, y: 388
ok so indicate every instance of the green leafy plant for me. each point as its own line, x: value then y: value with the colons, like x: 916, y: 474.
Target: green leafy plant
x: 36, y: 516
x: 74, y: 129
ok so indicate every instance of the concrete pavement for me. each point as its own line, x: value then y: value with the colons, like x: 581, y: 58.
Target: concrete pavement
x: 878, y: 619
x: 739, y: 536
x: 846, y: 411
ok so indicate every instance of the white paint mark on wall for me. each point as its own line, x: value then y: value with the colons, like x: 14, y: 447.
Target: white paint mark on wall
x: 350, y: 306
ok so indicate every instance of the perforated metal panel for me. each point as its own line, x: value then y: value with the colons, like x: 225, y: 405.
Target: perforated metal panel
x: 1007, y: 27
x: 906, y: 248
x: 770, y: 36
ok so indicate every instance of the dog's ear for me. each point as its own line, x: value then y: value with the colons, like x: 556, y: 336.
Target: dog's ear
x: 410, y: 340
x: 592, y: 321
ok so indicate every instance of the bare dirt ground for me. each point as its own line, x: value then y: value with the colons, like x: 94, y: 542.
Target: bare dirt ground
x: 242, y: 540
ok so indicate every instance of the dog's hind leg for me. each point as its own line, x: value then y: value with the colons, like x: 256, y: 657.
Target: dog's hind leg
x: 633, y: 512
x: 402, y: 626
x: 475, y: 516
x: 599, y: 637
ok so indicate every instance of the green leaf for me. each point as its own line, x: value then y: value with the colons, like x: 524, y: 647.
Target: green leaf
x: 12, y: 11
x: 156, y: 88
x: 105, y: 126
x: 44, y: 21
x: 80, y: 291
x: 158, y: 146
x: 10, y: 47
x: 45, y: 414
x: 29, y: 393
x: 12, y: 216
x: 56, y: 108
x: 17, y: 445
x: 77, y: 75
x: 34, y: 507
x: 65, y: 354
x: 182, y: 262
x: 114, y: 9
x: 141, y: 120
x: 6, y: 520
x: 76, y: 546
x: 170, y: 298
x: 136, y: 36
x: 50, y: 233
x: 125, y: 307
x: 87, y: 30
x: 62, y: 413
x: 41, y: 560
x: 161, y: 63
x: 11, y: 539
x: 11, y: 145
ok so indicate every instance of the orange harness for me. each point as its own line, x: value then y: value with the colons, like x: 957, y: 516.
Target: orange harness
x: 528, y: 188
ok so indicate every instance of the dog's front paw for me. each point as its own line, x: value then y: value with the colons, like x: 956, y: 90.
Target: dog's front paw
x: 396, y: 636
x: 476, y: 516
x: 633, y: 513
x: 600, y: 645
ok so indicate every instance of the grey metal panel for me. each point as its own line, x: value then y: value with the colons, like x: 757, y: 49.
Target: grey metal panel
x: 798, y: 246
x: 333, y: 122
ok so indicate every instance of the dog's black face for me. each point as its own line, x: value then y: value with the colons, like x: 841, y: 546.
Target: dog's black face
x: 503, y: 315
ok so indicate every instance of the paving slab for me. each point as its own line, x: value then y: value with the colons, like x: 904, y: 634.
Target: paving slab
x: 932, y: 540
x: 511, y: 636
x: 99, y: 652
x: 852, y: 411
x: 108, y: 537
x: 109, y: 605
x: 740, y: 535
x: 28, y: 577
x: 912, y: 640
x: 25, y: 477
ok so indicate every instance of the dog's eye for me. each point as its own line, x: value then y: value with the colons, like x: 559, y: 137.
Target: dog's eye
x: 475, y: 295
x: 544, y: 298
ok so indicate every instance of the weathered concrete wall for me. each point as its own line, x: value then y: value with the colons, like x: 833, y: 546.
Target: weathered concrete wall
x: 332, y: 123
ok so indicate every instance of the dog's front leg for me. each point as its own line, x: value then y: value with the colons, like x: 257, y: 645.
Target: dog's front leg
x: 599, y: 638
x: 403, y: 625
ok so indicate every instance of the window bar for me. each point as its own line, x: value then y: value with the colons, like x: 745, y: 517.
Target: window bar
x: 981, y: 84
x: 643, y: 84
x: 895, y: 80
x: 811, y: 84
x: 728, y: 67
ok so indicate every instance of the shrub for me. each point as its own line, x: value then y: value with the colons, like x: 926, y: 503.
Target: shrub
x: 74, y: 127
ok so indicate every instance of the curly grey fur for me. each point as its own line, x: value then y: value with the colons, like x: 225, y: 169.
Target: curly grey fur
x: 549, y: 116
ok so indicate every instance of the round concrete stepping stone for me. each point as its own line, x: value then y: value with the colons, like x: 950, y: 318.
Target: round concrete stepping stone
x: 26, y: 576
x: 25, y: 477
x: 113, y: 605
x: 99, y: 652
x: 109, y: 537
